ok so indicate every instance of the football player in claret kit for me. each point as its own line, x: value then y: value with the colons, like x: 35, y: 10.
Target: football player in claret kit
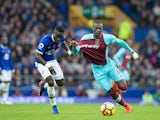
x: 122, y: 59
x: 47, y: 65
x: 94, y: 48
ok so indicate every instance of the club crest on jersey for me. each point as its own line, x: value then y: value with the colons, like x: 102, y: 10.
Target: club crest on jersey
x: 40, y: 46
x: 97, y: 41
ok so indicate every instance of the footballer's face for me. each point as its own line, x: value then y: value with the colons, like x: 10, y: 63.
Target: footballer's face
x: 4, y: 41
x: 57, y: 36
x: 97, y: 29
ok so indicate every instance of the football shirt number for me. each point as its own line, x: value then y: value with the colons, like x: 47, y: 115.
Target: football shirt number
x: 6, y: 56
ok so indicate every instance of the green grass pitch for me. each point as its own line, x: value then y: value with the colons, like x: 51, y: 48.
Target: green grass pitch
x: 75, y: 112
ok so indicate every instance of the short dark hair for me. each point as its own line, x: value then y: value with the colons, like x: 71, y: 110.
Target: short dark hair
x: 59, y: 29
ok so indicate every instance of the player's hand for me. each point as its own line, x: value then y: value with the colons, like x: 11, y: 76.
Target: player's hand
x: 53, y: 72
x: 135, y: 55
x: 73, y: 43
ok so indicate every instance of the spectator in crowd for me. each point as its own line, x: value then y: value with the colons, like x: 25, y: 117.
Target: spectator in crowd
x: 33, y: 86
x: 17, y: 93
x: 81, y: 91
x: 102, y: 93
x: 156, y: 96
x: 147, y: 98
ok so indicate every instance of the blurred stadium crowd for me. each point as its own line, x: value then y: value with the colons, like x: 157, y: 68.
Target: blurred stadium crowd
x: 25, y: 21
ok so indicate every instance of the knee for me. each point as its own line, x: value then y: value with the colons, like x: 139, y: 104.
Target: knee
x: 123, y: 87
x: 50, y: 81
x: 60, y: 82
x: 113, y: 94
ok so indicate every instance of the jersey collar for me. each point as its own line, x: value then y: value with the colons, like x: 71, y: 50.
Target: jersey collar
x: 52, y: 38
x: 3, y: 46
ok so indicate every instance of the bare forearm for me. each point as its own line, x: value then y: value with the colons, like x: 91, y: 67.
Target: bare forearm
x: 40, y: 59
x: 65, y: 46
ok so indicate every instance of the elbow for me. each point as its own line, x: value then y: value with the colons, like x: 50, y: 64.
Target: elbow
x: 37, y: 55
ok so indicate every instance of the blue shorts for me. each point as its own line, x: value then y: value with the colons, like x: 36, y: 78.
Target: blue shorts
x: 104, y: 73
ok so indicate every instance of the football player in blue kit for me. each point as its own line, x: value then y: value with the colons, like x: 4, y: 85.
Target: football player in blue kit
x: 6, y: 69
x: 47, y: 65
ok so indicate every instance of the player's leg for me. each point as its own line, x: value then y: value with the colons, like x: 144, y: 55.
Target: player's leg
x: 115, y: 87
x: 2, y: 85
x: 127, y: 77
x: 102, y: 78
x: 59, y: 77
x: 123, y: 84
x: 106, y: 84
x: 48, y: 84
x: 118, y: 87
x: 5, y: 85
x: 51, y: 94
x: 43, y: 87
x: 115, y: 75
x: 5, y: 94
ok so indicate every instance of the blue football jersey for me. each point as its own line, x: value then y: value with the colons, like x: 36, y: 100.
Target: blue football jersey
x: 47, y: 46
x: 6, y: 62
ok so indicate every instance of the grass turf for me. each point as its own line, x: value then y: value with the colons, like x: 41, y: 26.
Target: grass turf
x: 75, y: 112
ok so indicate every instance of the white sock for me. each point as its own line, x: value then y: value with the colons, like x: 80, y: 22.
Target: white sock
x: 5, y: 92
x: 51, y: 94
x: 2, y: 86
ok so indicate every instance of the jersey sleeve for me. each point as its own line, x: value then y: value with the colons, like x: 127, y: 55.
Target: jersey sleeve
x: 123, y: 44
x: 111, y: 39
x: 118, y: 56
x: 76, y: 50
x: 41, y: 47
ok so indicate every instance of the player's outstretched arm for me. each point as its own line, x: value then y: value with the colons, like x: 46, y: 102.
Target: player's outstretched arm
x: 126, y: 46
x: 66, y: 47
